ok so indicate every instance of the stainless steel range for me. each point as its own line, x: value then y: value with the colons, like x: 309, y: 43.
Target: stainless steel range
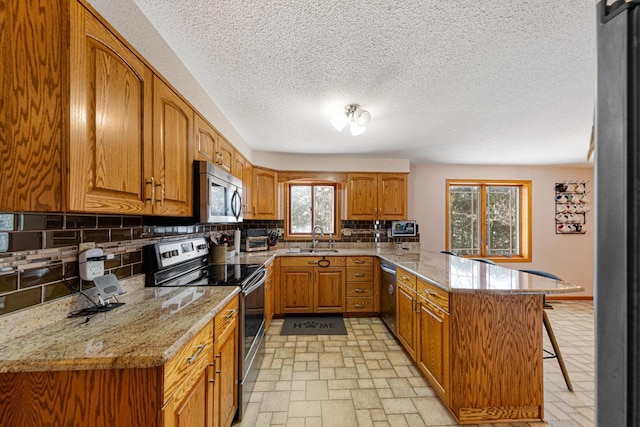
x: 185, y: 263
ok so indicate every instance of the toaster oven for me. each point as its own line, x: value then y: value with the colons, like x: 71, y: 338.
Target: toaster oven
x: 256, y: 239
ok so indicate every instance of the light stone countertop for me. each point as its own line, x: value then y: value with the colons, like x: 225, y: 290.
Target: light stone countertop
x: 147, y: 331
x: 451, y: 273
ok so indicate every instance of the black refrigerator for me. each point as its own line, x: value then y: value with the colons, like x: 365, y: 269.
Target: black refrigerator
x: 617, y: 176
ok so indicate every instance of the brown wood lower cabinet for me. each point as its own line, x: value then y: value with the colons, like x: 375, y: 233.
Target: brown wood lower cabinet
x: 312, y: 285
x: 481, y: 352
x: 197, y: 387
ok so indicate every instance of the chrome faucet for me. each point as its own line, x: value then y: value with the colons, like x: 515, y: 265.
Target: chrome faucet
x: 314, y: 238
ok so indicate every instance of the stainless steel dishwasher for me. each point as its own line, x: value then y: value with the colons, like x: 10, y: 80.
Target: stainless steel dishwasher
x: 388, y: 295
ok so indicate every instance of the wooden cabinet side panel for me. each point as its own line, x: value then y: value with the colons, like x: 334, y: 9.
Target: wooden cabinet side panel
x: 496, y: 356
x: 33, y: 105
x: 81, y: 398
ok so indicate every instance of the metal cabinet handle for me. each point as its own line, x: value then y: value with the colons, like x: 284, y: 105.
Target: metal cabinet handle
x: 213, y: 379
x: 358, y: 290
x: 196, y: 354
x: 358, y: 261
x: 312, y: 262
x: 153, y: 190
x: 231, y: 313
x: 360, y: 275
x: 360, y: 305
x: 218, y: 356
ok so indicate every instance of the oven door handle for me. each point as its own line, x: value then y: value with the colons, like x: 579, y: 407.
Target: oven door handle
x: 252, y: 287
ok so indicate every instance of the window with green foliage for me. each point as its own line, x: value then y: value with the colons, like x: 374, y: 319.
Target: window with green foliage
x: 489, y: 219
x: 310, y: 205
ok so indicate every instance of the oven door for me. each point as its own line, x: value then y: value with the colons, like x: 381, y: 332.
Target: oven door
x: 252, y: 330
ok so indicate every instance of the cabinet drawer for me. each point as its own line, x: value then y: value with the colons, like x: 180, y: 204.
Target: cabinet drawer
x: 312, y: 261
x: 359, y: 274
x: 226, y: 317
x: 434, y: 294
x: 183, y: 368
x: 359, y: 261
x: 364, y: 304
x: 406, y: 278
x: 359, y: 289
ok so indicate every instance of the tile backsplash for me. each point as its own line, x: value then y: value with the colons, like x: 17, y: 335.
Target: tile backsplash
x: 39, y: 251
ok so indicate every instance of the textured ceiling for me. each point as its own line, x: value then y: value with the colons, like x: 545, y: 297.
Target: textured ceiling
x: 461, y: 82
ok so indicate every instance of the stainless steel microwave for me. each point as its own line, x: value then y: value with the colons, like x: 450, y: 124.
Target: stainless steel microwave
x: 218, y: 194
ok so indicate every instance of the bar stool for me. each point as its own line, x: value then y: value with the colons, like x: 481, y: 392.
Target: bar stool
x: 486, y: 261
x: 449, y: 253
x: 547, y: 325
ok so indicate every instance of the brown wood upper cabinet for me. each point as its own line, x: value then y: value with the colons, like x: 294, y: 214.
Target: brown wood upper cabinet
x: 172, y: 172
x: 109, y: 140
x: 33, y: 104
x: 372, y: 196
x: 211, y: 146
x: 239, y: 163
x: 264, y: 194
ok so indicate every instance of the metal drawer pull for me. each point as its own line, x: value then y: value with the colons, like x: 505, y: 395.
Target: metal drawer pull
x: 360, y: 305
x: 403, y: 277
x: 213, y: 380
x: 197, y: 353
x: 231, y: 313
x: 360, y: 275
x: 218, y: 356
x: 358, y: 261
x: 358, y: 290
x: 312, y: 262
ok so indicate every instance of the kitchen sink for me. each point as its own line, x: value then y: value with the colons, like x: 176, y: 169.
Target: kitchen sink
x: 318, y: 251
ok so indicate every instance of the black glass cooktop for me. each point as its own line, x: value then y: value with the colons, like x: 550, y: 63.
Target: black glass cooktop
x: 198, y: 273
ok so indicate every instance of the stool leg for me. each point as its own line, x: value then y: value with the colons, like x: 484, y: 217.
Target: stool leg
x: 556, y: 349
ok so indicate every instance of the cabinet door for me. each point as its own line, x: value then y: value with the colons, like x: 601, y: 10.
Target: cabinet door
x: 247, y: 191
x: 224, y: 154
x: 111, y: 121
x: 268, y: 298
x: 206, y: 140
x: 226, y: 349
x: 238, y: 165
x: 296, y: 294
x: 192, y: 410
x: 433, y: 347
x: 264, y: 194
x: 329, y: 290
x: 406, y: 319
x: 33, y: 105
x: 172, y: 170
x: 362, y: 196
x: 392, y: 196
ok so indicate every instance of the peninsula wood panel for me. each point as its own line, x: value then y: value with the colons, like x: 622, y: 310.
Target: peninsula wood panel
x: 111, y: 120
x: 192, y: 411
x: 33, y: 104
x: 81, y: 398
x: 496, y: 357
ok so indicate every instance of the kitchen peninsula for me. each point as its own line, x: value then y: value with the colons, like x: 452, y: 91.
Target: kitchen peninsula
x: 476, y: 335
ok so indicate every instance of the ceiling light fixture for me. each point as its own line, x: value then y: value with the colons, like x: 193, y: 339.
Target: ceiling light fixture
x: 355, y: 116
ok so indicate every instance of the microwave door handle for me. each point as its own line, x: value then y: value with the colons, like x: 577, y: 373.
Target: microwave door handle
x: 234, y: 198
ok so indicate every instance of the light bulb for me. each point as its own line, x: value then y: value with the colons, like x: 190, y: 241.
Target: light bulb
x: 355, y: 129
x: 363, y: 117
x: 339, y: 121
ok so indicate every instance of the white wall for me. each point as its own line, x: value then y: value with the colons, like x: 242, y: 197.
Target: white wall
x: 567, y: 256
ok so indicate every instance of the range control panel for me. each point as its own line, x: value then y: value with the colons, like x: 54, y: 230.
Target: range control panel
x: 171, y: 253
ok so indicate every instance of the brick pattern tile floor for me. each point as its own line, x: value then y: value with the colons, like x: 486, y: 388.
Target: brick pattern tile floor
x: 365, y: 379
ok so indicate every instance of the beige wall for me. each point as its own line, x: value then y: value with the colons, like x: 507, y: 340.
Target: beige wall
x: 567, y: 256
